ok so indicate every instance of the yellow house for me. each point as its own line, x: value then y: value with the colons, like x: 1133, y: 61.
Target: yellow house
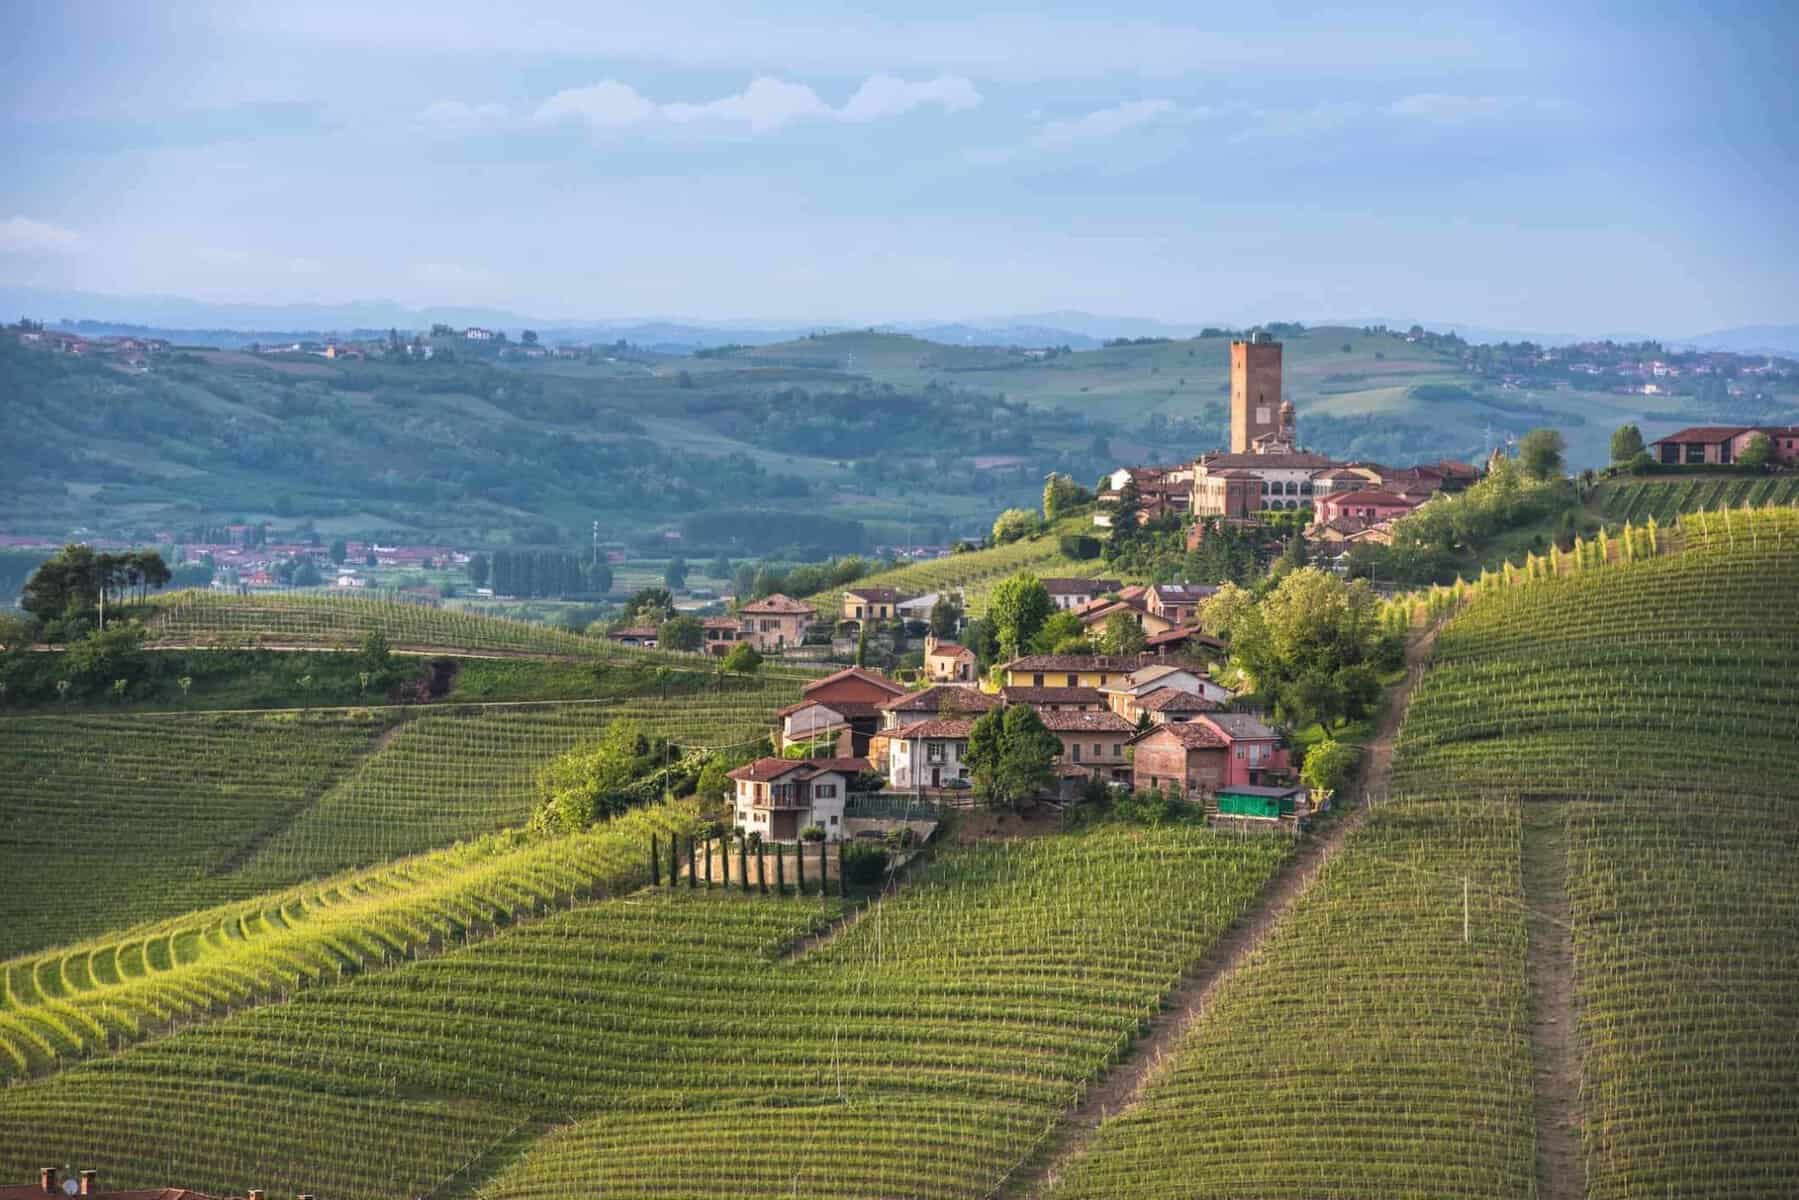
x: 871, y: 604
x: 1068, y: 670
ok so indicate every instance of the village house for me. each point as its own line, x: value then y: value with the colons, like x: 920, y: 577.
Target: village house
x: 721, y: 634
x: 1067, y: 670
x: 1721, y: 445
x: 941, y: 700
x: 775, y: 622
x: 871, y: 604
x: 1093, y: 740
x: 643, y: 636
x: 1177, y: 602
x: 1364, y: 505
x: 1186, y: 757
x: 918, y: 608
x: 1096, y: 614
x: 948, y: 662
x: 1067, y: 592
x: 781, y: 797
x: 1185, y: 641
x: 1124, y: 696
x: 1168, y: 705
x: 928, y: 753
x: 845, y: 705
x: 1056, y: 699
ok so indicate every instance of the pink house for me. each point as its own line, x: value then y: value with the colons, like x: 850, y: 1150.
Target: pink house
x: 1371, y: 506
x: 1251, y: 749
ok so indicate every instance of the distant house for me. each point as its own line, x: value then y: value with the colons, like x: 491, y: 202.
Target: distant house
x: 1067, y: 670
x: 721, y: 634
x: 1136, y: 608
x: 1056, y: 699
x: 1125, y: 695
x: 1178, y: 602
x: 810, y: 721
x: 1073, y: 593
x: 941, y: 700
x: 780, y: 797
x: 1094, y: 740
x: 1721, y: 445
x: 1168, y: 705
x: 948, y: 662
x: 854, y: 696
x: 475, y: 333
x: 1185, y: 641
x: 871, y: 604
x: 636, y: 635
x: 918, y: 608
x: 775, y: 622
x: 1366, y: 505
x: 928, y: 753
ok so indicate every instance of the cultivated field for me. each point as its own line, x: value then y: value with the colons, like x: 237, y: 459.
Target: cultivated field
x: 1664, y: 498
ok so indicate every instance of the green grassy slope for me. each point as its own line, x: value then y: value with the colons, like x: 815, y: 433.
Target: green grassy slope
x: 1629, y: 736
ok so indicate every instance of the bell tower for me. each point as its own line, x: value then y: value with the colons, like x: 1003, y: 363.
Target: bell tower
x: 1255, y: 390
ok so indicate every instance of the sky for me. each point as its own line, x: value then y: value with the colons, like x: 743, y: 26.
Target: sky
x: 1567, y: 166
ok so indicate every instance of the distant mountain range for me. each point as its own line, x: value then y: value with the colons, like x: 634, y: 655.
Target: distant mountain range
x: 229, y: 323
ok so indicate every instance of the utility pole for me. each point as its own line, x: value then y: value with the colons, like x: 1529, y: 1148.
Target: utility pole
x: 1464, y: 910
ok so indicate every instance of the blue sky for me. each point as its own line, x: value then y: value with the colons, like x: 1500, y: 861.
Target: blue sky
x: 1562, y: 166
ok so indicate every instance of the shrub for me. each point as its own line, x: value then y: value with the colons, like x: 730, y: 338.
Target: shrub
x: 863, y: 863
x: 1079, y: 546
x: 812, y: 833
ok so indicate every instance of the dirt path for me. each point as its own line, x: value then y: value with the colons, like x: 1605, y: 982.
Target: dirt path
x: 1549, y: 963
x: 1123, y: 1086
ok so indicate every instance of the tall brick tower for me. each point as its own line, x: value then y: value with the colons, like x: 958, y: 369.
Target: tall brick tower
x: 1255, y: 390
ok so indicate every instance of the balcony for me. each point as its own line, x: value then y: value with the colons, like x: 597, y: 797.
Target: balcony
x: 788, y: 796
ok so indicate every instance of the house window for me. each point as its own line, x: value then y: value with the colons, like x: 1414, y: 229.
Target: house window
x: 1117, y: 749
x: 1239, y: 752
x: 1695, y: 452
x: 1076, y: 748
x: 1036, y: 681
x: 933, y: 752
x: 1075, y: 680
x: 1096, y: 752
x: 825, y: 791
x: 833, y: 818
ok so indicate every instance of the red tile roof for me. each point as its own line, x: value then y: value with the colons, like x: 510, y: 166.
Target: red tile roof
x: 776, y: 605
x: 879, y: 595
x: 1074, y: 662
x: 1052, y: 695
x: 935, y: 699
x: 866, y: 676
x: 848, y: 709
x: 1705, y: 433
x: 1085, y: 722
x: 939, y: 727
x: 1066, y: 585
x: 763, y: 770
x: 1191, y: 736
x: 1387, y: 499
x: 951, y: 650
x: 1183, y: 633
x: 1174, y: 700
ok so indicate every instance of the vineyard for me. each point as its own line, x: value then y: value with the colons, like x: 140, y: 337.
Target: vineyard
x: 1665, y: 499
x: 975, y: 573
x: 113, y: 820
x: 662, y: 1044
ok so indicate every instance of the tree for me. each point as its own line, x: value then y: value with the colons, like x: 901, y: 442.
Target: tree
x: 375, y: 657
x: 340, y: 551
x: 1121, y: 634
x: 674, y: 576
x: 946, y: 617
x: 1627, y: 443
x: 649, y: 606
x: 528, y: 337
x: 1013, y: 524
x: 1756, y: 452
x: 1011, y: 754
x: 862, y: 644
x: 1329, y: 764
x: 587, y: 782
x: 719, y: 568
x: 680, y: 633
x: 743, y: 659
x: 480, y: 567
x: 1061, y: 495
x: 1061, y: 628
x: 1293, y: 557
x: 1540, y: 454
x: 1018, y: 608
x: 306, y: 574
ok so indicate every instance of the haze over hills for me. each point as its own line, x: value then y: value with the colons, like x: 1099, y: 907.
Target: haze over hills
x: 234, y: 323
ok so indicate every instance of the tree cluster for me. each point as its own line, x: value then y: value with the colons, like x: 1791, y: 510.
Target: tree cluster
x: 77, y: 580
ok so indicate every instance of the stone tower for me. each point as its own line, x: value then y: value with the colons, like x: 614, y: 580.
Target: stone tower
x: 1255, y: 391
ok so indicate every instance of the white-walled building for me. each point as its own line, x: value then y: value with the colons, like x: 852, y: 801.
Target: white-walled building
x: 780, y: 797
x: 929, y: 753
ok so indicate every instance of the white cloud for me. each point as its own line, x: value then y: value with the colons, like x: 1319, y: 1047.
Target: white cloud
x: 455, y: 116
x: 766, y: 104
x: 22, y: 235
x: 1300, y: 122
x: 886, y: 95
x: 608, y: 104
x: 1101, y: 123
x: 1444, y: 109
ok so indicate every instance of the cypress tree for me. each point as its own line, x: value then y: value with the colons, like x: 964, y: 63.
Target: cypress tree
x: 693, y: 880
x: 674, y: 858
x: 655, y: 863
x: 799, y: 868
x: 743, y: 864
x: 762, y: 869
x: 780, y: 869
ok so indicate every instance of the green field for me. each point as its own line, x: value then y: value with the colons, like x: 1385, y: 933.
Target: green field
x: 1665, y: 498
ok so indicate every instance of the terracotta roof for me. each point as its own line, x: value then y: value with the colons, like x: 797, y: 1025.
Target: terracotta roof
x: 1705, y: 433
x: 1074, y: 662
x: 951, y: 650
x: 1231, y: 473
x: 1063, y: 585
x: 776, y: 605
x: 880, y: 595
x: 865, y: 676
x: 1183, y: 591
x: 1183, y: 633
x: 636, y: 631
x: 848, y: 709
x: 939, y: 727
x: 721, y: 623
x: 1238, y: 726
x: 1085, y: 722
x: 1300, y: 458
x: 1174, y: 700
x: 1193, y: 735
x: 933, y: 700
x: 1455, y: 469
x: 1369, y: 497
x: 764, y: 770
x: 1052, y: 695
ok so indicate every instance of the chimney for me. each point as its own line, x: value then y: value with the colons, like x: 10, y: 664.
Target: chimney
x: 47, y: 1176
x: 89, y: 1183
